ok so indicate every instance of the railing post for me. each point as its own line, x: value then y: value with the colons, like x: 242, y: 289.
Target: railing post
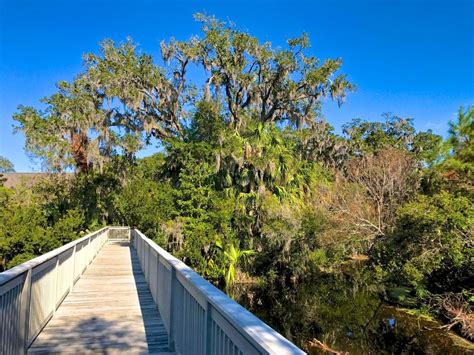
x: 73, y: 256
x: 25, y: 311
x: 56, y: 276
x: 142, y: 254
x: 208, y: 333
x: 157, y: 278
x: 171, y: 343
x: 148, y: 273
x: 89, y: 256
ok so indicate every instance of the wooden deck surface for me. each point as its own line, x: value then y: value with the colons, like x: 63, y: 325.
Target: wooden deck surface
x: 109, y: 311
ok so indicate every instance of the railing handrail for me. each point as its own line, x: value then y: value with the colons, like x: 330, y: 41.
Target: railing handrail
x: 261, y: 335
x: 18, y: 270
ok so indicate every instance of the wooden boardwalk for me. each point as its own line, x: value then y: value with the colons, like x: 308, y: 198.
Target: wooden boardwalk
x: 109, y: 311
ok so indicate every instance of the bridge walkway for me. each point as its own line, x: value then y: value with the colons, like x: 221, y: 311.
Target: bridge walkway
x: 109, y: 311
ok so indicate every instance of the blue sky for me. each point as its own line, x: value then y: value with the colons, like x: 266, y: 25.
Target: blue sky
x: 412, y: 58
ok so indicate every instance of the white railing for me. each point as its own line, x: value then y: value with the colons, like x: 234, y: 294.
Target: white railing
x: 30, y: 293
x: 199, y: 318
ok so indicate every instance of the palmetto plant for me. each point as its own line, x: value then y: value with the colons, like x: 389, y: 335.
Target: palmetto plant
x: 234, y: 257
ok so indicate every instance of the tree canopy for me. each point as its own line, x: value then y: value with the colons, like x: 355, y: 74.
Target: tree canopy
x: 123, y: 98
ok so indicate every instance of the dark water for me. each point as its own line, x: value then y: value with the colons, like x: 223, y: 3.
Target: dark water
x: 348, y: 317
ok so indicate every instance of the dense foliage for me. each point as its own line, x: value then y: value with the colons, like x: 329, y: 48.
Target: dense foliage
x: 6, y: 165
x: 252, y: 183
